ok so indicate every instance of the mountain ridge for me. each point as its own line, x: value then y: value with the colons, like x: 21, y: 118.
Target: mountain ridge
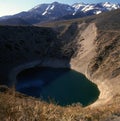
x: 56, y: 11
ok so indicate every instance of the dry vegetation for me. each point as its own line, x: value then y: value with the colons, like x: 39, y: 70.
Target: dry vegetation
x: 18, y: 107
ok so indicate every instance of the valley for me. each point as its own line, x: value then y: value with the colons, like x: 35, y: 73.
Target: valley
x: 88, y: 45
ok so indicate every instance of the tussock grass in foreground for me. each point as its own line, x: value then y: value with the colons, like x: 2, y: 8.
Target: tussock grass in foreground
x: 18, y: 107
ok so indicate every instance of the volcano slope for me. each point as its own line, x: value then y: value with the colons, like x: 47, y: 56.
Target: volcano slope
x: 89, y: 45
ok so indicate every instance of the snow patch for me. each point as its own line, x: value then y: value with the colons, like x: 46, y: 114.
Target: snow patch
x: 52, y: 7
x: 98, y: 12
x: 87, y: 8
x: 107, y: 4
x: 45, y: 12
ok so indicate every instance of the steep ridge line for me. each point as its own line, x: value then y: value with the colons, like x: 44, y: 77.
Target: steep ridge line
x: 89, y: 51
x: 81, y: 61
x: 81, y: 46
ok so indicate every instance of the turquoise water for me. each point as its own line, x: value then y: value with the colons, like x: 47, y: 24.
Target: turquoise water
x: 64, y: 86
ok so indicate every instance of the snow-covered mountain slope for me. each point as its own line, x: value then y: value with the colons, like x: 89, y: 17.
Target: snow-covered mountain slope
x: 55, y: 10
x: 95, y: 8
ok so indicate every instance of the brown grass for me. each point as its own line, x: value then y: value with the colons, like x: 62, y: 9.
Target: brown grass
x: 18, y: 107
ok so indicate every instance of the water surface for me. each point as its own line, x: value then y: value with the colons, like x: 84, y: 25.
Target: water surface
x: 64, y: 86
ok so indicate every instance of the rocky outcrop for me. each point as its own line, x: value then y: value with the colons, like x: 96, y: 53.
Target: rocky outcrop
x: 98, y: 59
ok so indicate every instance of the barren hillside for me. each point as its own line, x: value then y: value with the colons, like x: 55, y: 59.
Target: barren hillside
x: 90, y: 45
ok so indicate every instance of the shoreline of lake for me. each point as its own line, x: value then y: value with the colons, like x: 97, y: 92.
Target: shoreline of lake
x: 48, y: 62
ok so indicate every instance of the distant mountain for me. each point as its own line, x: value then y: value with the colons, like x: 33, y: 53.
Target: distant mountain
x: 94, y: 8
x: 56, y: 11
